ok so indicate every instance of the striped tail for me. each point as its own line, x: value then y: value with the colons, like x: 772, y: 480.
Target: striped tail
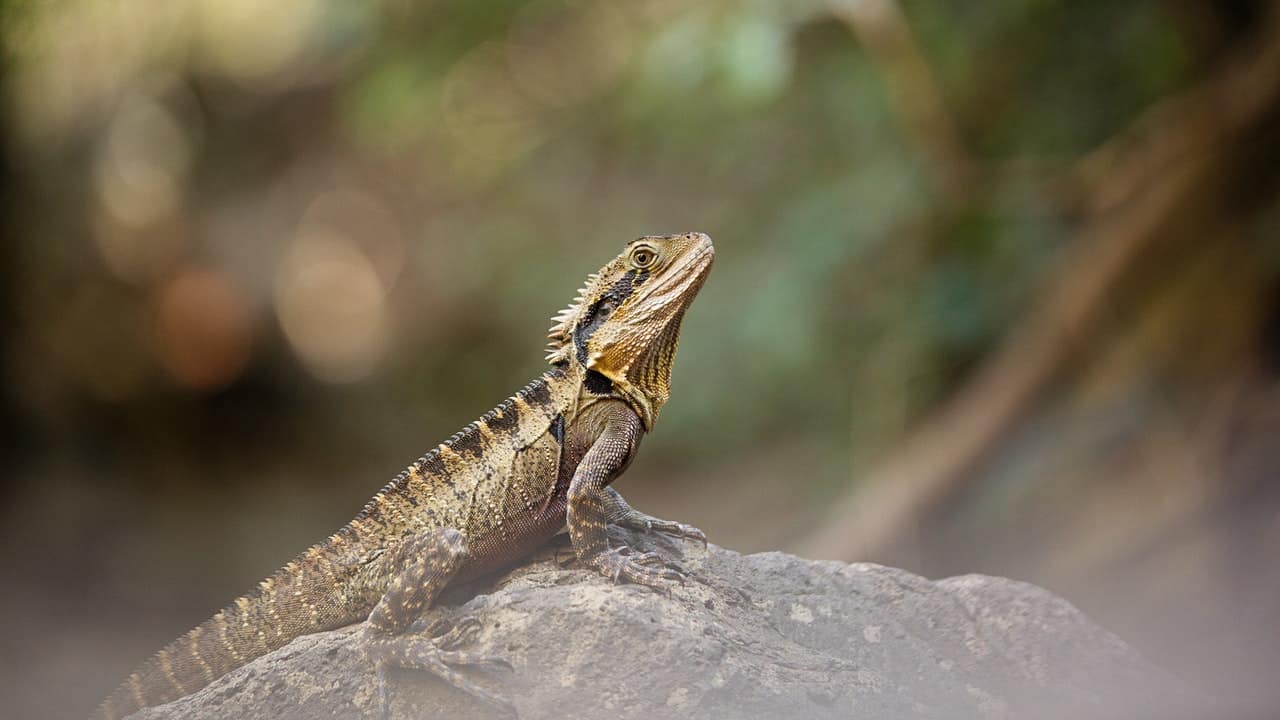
x: 288, y: 604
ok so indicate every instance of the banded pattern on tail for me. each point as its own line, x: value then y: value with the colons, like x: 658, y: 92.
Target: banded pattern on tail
x: 292, y: 602
x: 328, y: 586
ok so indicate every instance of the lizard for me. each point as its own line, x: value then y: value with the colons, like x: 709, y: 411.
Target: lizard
x: 537, y: 464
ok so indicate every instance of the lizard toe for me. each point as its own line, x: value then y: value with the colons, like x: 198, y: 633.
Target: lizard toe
x: 424, y: 654
x: 680, y: 530
x: 646, y: 569
x: 455, y: 633
x: 457, y: 657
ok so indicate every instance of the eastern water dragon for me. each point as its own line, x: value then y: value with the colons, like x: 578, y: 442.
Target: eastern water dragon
x: 493, y: 493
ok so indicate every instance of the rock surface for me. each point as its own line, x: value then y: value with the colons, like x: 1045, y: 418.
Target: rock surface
x: 755, y: 636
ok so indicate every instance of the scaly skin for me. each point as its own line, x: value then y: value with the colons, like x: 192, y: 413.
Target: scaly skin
x: 484, y: 499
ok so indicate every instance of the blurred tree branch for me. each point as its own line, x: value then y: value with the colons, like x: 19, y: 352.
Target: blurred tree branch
x: 1172, y: 169
x: 884, y: 33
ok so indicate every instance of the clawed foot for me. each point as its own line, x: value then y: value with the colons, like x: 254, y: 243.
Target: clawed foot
x: 648, y: 524
x: 644, y: 568
x: 436, y: 651
x: 451, y: 633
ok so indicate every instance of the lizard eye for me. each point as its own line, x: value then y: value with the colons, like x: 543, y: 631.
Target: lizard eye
x: 642, y: 257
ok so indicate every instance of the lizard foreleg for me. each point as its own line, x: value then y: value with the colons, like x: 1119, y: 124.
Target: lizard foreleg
x: 589, y: 503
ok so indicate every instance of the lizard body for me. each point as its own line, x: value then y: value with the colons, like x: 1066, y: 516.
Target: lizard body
x: 488, y: 496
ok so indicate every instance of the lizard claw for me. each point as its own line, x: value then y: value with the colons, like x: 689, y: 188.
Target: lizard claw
x: 680, y: 530
x: 452, y: 634
x: 651, y: 559
x: 424, y: 653
x: 648, y: 524
x: 646, y: 569
x: 456, y: 657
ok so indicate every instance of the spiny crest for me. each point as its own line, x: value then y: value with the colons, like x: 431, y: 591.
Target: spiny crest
x: 628, y: 329
x: 560, y: 334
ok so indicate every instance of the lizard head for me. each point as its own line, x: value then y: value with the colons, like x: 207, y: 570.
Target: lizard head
x: 624, y: 324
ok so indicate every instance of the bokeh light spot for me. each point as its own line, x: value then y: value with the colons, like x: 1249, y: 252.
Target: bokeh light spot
x: 142, y: 163
x: 332, y: 307
x: 366, y: 222
x: 252, y: 40
x: 203, y: 328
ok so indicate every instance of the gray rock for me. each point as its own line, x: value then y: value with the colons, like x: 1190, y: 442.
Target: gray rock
x: 755, y: 636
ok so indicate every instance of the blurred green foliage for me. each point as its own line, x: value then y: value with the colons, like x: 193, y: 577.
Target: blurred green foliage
x: 513, y: 146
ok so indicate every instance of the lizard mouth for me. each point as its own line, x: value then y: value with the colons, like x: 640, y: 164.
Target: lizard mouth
x: 686, y: 275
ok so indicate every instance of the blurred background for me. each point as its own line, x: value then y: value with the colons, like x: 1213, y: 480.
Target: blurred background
x: 997, y: 290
